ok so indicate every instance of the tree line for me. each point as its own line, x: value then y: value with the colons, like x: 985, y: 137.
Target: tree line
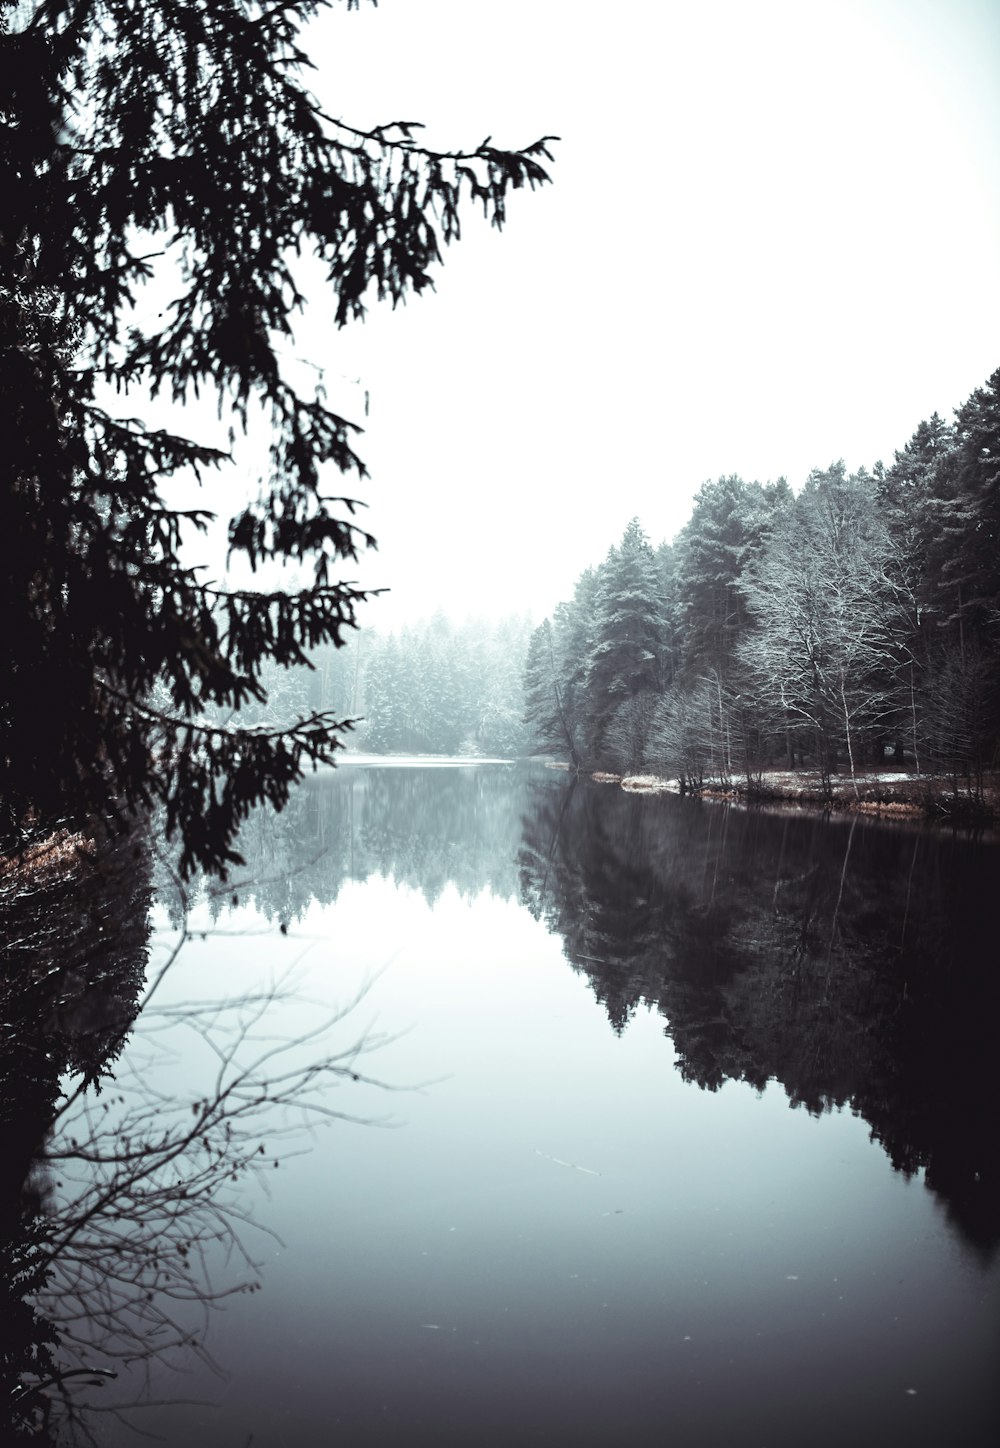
x: 444, y: 688
x: 432, y: 687
x: 855, y: 621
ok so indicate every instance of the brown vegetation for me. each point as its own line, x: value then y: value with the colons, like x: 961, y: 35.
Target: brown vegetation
x: 886, y: 795
x: 55, y: 852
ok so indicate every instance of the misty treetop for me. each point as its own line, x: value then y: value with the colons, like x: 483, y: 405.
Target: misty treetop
x: 445, y: 688
x: 175, y: 143
x: 856, y: 619
x: 431, y: 687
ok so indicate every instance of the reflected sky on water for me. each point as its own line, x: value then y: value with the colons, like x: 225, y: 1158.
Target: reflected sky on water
x: 576, y: 1222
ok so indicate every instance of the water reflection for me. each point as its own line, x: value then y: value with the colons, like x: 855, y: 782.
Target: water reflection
x: 850, y: 963
x: 130, y: 1144
x: 149, y: 1222
x: 426, y: 828
x: 74, y: 931
x: 853, y: 963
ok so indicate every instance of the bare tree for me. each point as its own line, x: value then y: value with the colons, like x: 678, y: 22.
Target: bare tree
x: 147, y: 1223
x: 629, y: 729
x: 137, y: 1217
x: 818, y: 599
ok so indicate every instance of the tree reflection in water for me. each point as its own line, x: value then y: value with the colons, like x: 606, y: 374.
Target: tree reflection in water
x: 74, y: 918
x: 127, y: 1210
x: 424, y: 828
x: 854, y: 963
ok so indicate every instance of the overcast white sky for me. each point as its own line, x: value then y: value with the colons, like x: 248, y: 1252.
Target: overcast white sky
x: 773, y: 240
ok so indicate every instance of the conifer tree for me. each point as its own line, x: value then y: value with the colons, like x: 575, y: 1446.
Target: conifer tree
x: 713, y: 551
x: 624, y: 658
x: 545, y: 706
x: 129, y: 130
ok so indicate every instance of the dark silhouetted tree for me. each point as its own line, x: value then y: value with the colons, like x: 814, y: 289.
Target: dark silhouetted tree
x: 546, y: 715
x: 712, y: 553
x: 175, y: 143
x: 624, y: 657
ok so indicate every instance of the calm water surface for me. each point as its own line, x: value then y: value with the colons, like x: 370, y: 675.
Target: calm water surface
x: 691, y: 1135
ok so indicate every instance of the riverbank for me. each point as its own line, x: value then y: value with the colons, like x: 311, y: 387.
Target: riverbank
x: 886, y: 794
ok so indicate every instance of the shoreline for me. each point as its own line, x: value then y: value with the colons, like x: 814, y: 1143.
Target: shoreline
x: 888, y: 796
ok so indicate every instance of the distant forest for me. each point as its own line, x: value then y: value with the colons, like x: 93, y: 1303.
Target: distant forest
x: 433, y: 687
x: 855, y: 621
x: 851, y: 624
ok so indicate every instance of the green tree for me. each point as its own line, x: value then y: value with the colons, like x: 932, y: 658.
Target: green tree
x: 555, y: 677
x: 941, y: 499
x: 713, y: 551
x: 573, y: 625
x: 445, y: 688
x: 966, y: 554
x: 545, y: 705
x: 667, y: 557
x: 382, y: 700
x: 624, y: 657
x: 180, y: 134
x: 711, y: 731
x: 500, y: 725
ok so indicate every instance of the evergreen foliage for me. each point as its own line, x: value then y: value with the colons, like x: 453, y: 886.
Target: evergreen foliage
x: 838, y: 963
x: 545, y: 713
x: 175, y: 143
x: 714, y: 549
x: 422, y: 828
x: 856, y: 618
x: 624, y: 656
x: 443, y: 688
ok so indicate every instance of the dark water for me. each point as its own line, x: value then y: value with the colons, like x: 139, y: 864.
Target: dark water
x: 684, y: 1128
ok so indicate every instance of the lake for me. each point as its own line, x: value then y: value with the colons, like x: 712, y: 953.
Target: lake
x: 673, y: 1123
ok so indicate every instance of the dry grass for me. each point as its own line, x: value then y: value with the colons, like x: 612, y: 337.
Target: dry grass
x: 51, y: 855
x: 889, y: 794
x: 896, y: 808
x: 649, y: 784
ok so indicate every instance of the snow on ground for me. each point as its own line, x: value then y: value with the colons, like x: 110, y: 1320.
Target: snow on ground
x: 649, y: 784
x: 798, y: 779
x: 793, y: 782
x: 417, y: 761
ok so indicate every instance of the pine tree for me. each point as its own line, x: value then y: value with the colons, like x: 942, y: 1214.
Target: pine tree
x: 500, y: 701
x: 715, y: 548
x: 624, y: 657
x: 959, y: 590
x: 545, y: 705
x: 129, y: 130
x: 965, y: 553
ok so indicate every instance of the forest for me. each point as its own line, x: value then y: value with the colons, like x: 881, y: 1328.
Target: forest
x: 849, y: 625
x: 432, y: 687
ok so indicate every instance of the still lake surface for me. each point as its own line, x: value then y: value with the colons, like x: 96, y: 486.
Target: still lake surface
x: 691, y: 1135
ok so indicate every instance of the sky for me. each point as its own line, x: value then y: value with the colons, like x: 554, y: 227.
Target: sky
x: 772, y: 241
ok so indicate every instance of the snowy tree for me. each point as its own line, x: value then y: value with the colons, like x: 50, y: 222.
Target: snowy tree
x: 818, y: 600
x: 624, y: 657
x: 545, y: 706
x: 714, y: 550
